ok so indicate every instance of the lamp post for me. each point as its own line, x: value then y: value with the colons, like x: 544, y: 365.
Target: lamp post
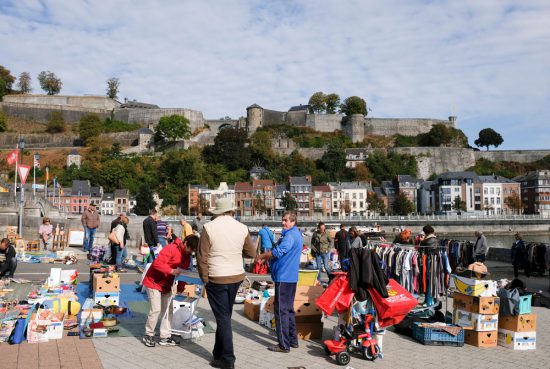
x: 22, y: 196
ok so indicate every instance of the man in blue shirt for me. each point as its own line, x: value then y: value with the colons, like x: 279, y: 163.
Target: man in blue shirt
x: 266, y: 237
x: 285, y: 263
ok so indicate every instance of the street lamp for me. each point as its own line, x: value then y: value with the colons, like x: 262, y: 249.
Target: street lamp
x: 22, y: 194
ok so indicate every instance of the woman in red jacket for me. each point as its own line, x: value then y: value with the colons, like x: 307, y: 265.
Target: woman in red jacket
x: 171, y: 261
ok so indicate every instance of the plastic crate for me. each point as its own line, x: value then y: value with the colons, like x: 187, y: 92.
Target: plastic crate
x: 525, y: 304
x: 307, y: 277
x: 435, y: 336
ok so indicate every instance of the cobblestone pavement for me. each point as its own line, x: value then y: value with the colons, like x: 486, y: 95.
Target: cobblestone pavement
x: 251, y: 340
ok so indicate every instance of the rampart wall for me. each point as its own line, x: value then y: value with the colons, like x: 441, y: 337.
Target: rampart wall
x: 324, y: 122
x: 42, y: 113
x: 152, y: 116
x: 44, y: 140
x: 520, y: 156
x: 86, y: 102
x: 271, y: 117
x: 439, y: 159
x: 405, y: 127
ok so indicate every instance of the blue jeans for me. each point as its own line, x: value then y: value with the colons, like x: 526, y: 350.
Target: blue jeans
x: 321, y: 260
x: 121, y: 254
x: 89, y: 234
x: 284, y: 314
x: 162, y: 241
x: 221, y: 298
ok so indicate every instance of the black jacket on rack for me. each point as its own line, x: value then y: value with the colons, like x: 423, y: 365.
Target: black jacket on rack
x: 365, y: 272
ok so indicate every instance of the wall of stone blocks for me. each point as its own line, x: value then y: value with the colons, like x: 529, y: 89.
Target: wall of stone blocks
x: 152, y: 116
x: 271, y: 117
x: 520, y: 156
x: 439, y: 159
x: 42, y: 113
x: 325, y: 122
x: 405, y: 127
x: 87, y: 102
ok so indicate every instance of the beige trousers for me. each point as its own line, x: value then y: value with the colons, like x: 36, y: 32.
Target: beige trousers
x: 159, y: 304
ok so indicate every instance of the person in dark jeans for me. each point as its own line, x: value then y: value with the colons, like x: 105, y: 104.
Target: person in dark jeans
x: 8, y: 260
x: 223, y: 243
x: 341, y: 243
x: 285, y: 265
x: 520, y: 257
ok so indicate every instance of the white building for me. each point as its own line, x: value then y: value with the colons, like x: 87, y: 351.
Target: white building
x: 108, y: 203
x: 211, y: 195
x: 356, y: 156
x: 349, y: 198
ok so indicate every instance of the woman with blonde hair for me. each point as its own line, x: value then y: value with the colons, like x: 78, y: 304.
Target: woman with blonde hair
x: 120, y: 244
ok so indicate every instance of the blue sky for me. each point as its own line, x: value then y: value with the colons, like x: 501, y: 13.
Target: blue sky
x: 488, y: 62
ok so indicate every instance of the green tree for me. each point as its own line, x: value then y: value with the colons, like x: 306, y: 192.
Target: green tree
x: 402, y: 205
x: 3, y: 124
x: 383, y: 166
x: 317, y: 102
x: 354, y: 105
x: 332, y: 102
x: 229, y: 149
x: 49, y: 82
x: 56, y: 123
x: 173, y: 127
x: 334, y: 162
x: 24, y: 83
x: 6, y: 81
x: 90, y: 126
x: 488, y: 137
x: 441, y: 134
x: 113, y: 85
x: 376, y: 204
x: 260, y: 147
x: 144, y: 200
x: 289, y: 202
x: 458, y: 204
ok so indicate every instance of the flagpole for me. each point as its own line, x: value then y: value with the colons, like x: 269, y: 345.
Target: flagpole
x: 15, y: 180
x: 46, y: 185
x: 34, y: 178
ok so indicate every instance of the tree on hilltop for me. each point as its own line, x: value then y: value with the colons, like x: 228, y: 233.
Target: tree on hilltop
x: 113, y: 85
x: 317, y: 102
x: 6, y: 81
x: 332, y: 102
x: 172, y: 128
x: 489, y: 137
x: 24, y: 83
x: 3, y: 125
x: 49, y: 82
x: 354, y: 105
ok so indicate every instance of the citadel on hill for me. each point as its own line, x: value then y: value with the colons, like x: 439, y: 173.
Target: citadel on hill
x: 430, y: 159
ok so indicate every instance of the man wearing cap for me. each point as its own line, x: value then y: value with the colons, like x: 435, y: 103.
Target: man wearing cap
x: 223, y: 243
x: 90, y: 222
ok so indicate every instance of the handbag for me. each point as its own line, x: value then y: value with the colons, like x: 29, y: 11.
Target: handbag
x: 392, y: 309
x: 337, y: 296
x: 112, y: 238
x: 144, y: 250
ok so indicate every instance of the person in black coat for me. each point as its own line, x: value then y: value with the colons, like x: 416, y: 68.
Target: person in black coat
x: 8, y: 260
x: 341, y: 240
x: 520, y: 257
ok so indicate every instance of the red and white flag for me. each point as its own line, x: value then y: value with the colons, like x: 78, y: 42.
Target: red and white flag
x: 36, y: 162
x: 12, y: 157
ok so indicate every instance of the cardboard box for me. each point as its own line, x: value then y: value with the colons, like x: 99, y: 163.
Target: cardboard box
x: 477, y: 322
x: 106, y: 284
x: 308, y: 293
x: 309, y: 331
x: 252, y: 309
x: 183, y: 302
x: 475, y: 287
x: 519, y: 323
x: 189, y: 290
x: 481, y: 339
x: 476, y: 304
x: 517, y: 340
x: 304, y: 312
x: 107, y: 298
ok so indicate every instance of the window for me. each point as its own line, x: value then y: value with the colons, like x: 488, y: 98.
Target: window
x: 354, y: 196
x: 354, y: 204
x: 485, y: 191
x: 360, y: 204
x: 492, y: 191
x: 361, y: 195
x: 335, y: 204
x: 457, y: 189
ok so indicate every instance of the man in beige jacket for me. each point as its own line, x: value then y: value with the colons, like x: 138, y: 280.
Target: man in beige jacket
x: 223, y: 243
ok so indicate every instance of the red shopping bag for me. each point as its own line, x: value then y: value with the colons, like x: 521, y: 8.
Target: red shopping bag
x: 392, y: 309
x: 338, y: 295
x: 259, y: 267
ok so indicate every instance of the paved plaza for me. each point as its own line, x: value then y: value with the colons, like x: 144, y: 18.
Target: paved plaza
x: 251, y: 342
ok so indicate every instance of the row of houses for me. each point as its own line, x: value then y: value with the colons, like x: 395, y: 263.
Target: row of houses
x: 494, y: 195
x: 75, y: 199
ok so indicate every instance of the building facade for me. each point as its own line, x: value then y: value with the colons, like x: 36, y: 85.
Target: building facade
x: 535, y: 192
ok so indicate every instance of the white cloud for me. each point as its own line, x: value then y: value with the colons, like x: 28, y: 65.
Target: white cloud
x: 486, y: 62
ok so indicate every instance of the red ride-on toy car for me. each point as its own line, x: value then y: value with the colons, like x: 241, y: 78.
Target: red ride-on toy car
x: 360, y: 341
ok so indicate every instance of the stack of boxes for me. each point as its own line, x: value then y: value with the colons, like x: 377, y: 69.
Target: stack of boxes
x: 308, y: 315
x: 519, y: 332
x: 475, y: 308
x: 106, y: 289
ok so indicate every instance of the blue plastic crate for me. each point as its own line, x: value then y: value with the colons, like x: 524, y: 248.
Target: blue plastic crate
x: 525, y: 304
x: 436, y: 336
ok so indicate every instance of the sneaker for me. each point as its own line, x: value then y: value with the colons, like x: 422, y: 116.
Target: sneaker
x: 167, y: 342
x: 148, y: 341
